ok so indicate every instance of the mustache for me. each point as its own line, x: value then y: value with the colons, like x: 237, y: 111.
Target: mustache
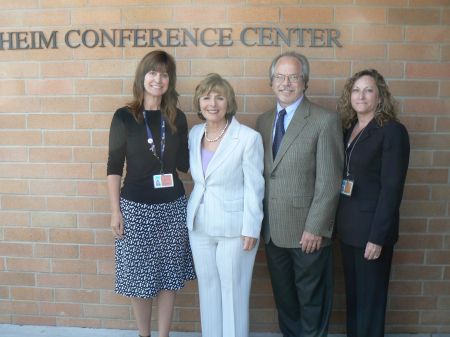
x: 286, y: 88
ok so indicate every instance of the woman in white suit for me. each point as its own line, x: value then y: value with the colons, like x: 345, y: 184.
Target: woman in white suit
x: 224, y: 211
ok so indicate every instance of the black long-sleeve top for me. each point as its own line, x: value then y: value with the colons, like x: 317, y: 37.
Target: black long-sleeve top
x: 128, y: 141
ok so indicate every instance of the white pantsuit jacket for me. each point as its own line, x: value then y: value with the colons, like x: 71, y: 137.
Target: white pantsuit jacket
x: 233, y: 186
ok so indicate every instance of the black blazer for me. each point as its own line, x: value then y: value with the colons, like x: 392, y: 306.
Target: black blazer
x: 379, y: 163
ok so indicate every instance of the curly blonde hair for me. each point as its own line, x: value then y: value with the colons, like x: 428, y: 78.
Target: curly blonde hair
x: 386, y: 109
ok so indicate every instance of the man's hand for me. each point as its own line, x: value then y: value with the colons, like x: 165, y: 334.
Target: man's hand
x: 310, y: 242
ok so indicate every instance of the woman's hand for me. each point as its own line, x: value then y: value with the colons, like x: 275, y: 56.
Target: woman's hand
x: 249, y: 242
x: 373, y: 251
x: 117, y: 224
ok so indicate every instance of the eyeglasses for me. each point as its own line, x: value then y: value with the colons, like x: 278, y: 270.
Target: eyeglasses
x: 292, y: 78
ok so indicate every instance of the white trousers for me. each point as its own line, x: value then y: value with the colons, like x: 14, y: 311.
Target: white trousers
x: 224, y: 273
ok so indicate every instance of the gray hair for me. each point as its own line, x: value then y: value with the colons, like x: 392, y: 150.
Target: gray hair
x: 303, y: 61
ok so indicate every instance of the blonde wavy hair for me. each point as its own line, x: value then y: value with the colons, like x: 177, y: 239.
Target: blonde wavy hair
x: 386, y: 109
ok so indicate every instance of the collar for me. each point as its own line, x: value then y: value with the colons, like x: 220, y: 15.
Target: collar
x: 290, y: 110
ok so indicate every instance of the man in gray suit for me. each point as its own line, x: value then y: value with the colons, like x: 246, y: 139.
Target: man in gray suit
x: 303, y: 163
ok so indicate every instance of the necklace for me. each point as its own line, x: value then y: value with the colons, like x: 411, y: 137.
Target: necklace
x: 213, y: 140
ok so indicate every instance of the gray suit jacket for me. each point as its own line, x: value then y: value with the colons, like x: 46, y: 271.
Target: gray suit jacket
x: 303, y: 183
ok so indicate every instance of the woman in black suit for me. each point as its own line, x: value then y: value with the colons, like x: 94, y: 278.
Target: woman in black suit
x: 376, y: 162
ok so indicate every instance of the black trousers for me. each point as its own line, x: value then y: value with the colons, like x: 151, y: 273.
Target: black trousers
x: 366, y: 288
x: 303, y: 289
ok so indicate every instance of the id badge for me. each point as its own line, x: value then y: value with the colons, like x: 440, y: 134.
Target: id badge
x: 347, y: 185
x: 163, y: 180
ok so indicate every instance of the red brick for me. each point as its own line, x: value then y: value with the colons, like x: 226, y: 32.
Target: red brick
x: 413, y: 88
x: 427, y: 70
x: 49, y: 54
x: 23, y: 264
x: 107, y: 311
x: 54, y: 220
x: 46, y: 18
x: 12, y: 121
x: 50, y: 154
x: 64, y: 69
x: 111, y: 297
x: 428, y: 3
x: 412, y: 16
x: 6, y: 4
x: 434, y: 317
x: 12, y: 87
x: 19, y: 104
x: 74, y: 266
x: 49, y: 87
x: 15, y: 249
x: 408, y: 257
x: 146, y: 15
x: 74, y: 171
x: 8, y: 70
x: 58, y: 280
x: 97, y: 252
x: 90, y: 154
x: 13, y: 153
x: 13, y: 186
x: 90, y: 120
x: 413, y: 303
x: 25, y: 234
x: 52, y: 187
x: 240, y: 51
x: 65, y: 104
x: 23, y: 203
x: 71, y: 235
x: 33, y: 320
x: 379, y: 34
x: 21, y: 170
x: 56, y: 251
x: 301, y: 14
x: 94, y: 220
x: 421, y: 241
x: 438, y: 257
x: 423, y: 208
x: 420, y: 158
x: 63, y: 3
x: 387, y: 69
x: 362, y: 51
x: 439, y: 225
x: 204, y: 14
x: 18, y: 307
x: 387, y: 3
x: 31, y: 293
x: 418, y: 123
x: 414, y: 52
x: 98, y: 282
x: 60, y: 309
x: 112, y: 68
x: 98, y: 86
x: 416, y: 192
x: 106, y: 267
x: 427, y: 34
x: 17, y: 279
x: 360, y: 15
x: 79, y: 322
x: 21, y: 219
x: 223, y: 67
x: 92, y: 188
x: 413, y: 225
x: 402, y: 317
x: 99, y: 171
x: 68, y: 138
x: 434, y: 176
x: 443, y: 124
x: 441, y: 158
x: 102, y: 205
x: 434, y: 141
x: 100, y: 138
x: 96, y: 16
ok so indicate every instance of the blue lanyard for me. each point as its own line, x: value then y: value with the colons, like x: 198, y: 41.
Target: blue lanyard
x: 152, y: 143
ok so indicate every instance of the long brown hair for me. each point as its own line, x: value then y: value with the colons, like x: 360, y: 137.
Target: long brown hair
x: 386, y: 109
x: 160, y: 61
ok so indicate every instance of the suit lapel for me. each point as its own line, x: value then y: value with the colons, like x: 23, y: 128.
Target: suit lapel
x: 298, y: 122
x: 226, y: 146
x: 198, y: 151
x: 373, y: 124
x: 267, y: 131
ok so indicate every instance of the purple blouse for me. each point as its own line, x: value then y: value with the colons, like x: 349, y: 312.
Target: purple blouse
x: 206, y: 158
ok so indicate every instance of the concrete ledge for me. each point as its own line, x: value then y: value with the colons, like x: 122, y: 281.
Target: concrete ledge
x: 10, y: 330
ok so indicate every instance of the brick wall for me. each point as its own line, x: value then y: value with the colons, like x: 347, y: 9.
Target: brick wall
x: 56, y: 250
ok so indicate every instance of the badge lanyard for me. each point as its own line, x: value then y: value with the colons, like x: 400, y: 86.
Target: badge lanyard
x: 348, y: 182
x: 152, y: 143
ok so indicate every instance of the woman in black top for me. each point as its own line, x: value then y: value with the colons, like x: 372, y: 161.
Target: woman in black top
x: 153, y: 256
x: 376, y: 162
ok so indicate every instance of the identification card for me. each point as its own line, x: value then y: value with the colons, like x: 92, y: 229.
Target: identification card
x: 347, y: 185
x: 163, y: 180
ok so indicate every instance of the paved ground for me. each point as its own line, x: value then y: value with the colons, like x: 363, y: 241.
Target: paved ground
x: 9, y: 330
